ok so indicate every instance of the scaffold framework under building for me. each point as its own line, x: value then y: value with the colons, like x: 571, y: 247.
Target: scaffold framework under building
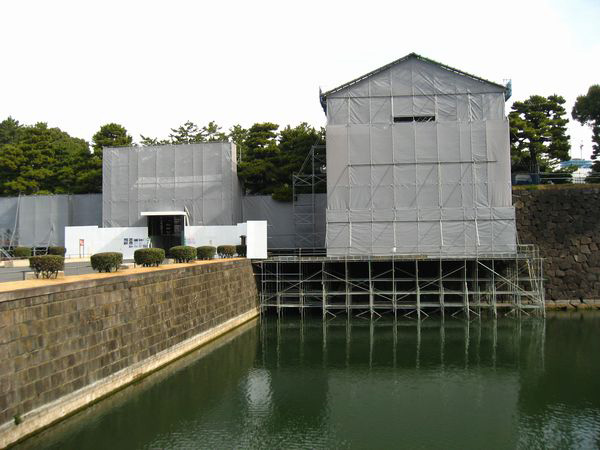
x: 309, y: 180
x: 403, y: 285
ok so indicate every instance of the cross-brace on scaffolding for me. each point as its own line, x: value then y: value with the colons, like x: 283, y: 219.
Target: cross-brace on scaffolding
x: 308, y: 180
x: 511, y: 284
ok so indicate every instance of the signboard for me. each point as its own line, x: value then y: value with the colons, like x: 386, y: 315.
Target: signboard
x: 134, y: 242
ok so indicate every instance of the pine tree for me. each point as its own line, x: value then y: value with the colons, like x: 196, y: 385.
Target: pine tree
x: 587, y: 112
x: 538, y: 133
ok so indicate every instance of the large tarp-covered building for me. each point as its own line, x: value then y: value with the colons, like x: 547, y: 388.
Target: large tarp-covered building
x: 418, y: 163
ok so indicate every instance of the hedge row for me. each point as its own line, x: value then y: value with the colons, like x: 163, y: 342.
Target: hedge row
x: 60, y: 251
x: 149, y: 256
x: 107, y: 261
x: 21, y: 252
x: 182, y: 253
x: 226, y: 251
x: 206, y: 252
x: 47, y: 266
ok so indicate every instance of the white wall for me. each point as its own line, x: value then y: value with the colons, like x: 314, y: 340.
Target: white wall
x: 257, y: 239
x: 216, y: 235
x: 116, y: 239
x: 254, y: 230
x: 97, y: 240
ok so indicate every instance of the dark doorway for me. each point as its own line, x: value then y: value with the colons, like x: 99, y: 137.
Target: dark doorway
x: 165, y: 231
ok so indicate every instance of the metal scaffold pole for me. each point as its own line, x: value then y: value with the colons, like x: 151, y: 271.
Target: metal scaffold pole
x: 418, y: 305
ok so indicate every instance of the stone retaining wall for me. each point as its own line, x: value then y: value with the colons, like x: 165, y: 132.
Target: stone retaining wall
x: 565, y: 225
x: 65, y: 345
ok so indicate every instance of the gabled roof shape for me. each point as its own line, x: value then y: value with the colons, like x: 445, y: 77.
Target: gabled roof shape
x: 323, y: 95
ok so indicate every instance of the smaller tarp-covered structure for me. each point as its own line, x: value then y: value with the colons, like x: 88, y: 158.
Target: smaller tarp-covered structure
x: 198, y: 179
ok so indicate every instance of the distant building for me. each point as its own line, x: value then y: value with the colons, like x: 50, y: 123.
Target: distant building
x: 418, y: 163
x: 584, y: 168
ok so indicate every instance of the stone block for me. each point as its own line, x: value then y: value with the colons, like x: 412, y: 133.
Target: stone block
x: 563, y: 304
x: 74, y: 334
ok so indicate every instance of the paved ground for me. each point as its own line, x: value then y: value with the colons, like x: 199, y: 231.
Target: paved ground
x: 17, y: 273
x: 87, y: 274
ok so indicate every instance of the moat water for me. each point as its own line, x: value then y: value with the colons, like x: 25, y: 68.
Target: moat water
x: 293, y: 383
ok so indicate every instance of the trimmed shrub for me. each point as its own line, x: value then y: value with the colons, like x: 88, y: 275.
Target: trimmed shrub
x: 22, y: 252
x: 183, y: 253
x: 47, y: 265
x: 60, y: 251
x: 226, y: 251
x: 240, y: 250
x: 107, y: 261
x: 206, y: 252
x: 149, y: 256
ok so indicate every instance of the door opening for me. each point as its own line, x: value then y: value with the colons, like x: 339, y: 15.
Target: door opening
x: 165, y: 231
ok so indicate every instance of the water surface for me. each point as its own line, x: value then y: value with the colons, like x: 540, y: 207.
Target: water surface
x: 293, y: 383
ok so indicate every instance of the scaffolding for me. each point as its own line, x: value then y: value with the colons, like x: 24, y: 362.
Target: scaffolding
x: 403, y: 285
x: 309, y: 180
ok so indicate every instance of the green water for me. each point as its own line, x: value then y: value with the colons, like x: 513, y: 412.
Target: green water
x: 363, y: 384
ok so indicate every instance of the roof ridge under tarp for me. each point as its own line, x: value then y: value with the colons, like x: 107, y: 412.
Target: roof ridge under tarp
x: 324, y: 95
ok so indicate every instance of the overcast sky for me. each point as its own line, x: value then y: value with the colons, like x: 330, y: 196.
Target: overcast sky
x: 152, y: 65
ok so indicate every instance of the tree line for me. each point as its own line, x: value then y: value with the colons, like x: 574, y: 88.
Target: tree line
x: 538, y: 130
x: 38, y: 159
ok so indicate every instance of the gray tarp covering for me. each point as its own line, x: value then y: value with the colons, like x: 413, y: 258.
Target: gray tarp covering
x: 8, y: 220
x: 41, y: 220
x: 283, y: 231
x: 85, y: 210
x: 200, y: 179
x: 279, y: 217
x: 400, y: 182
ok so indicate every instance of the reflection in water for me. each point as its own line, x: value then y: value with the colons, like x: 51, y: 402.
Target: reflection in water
x: 431, y: 382
x: 300, y: 382
x: 157, y: 411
